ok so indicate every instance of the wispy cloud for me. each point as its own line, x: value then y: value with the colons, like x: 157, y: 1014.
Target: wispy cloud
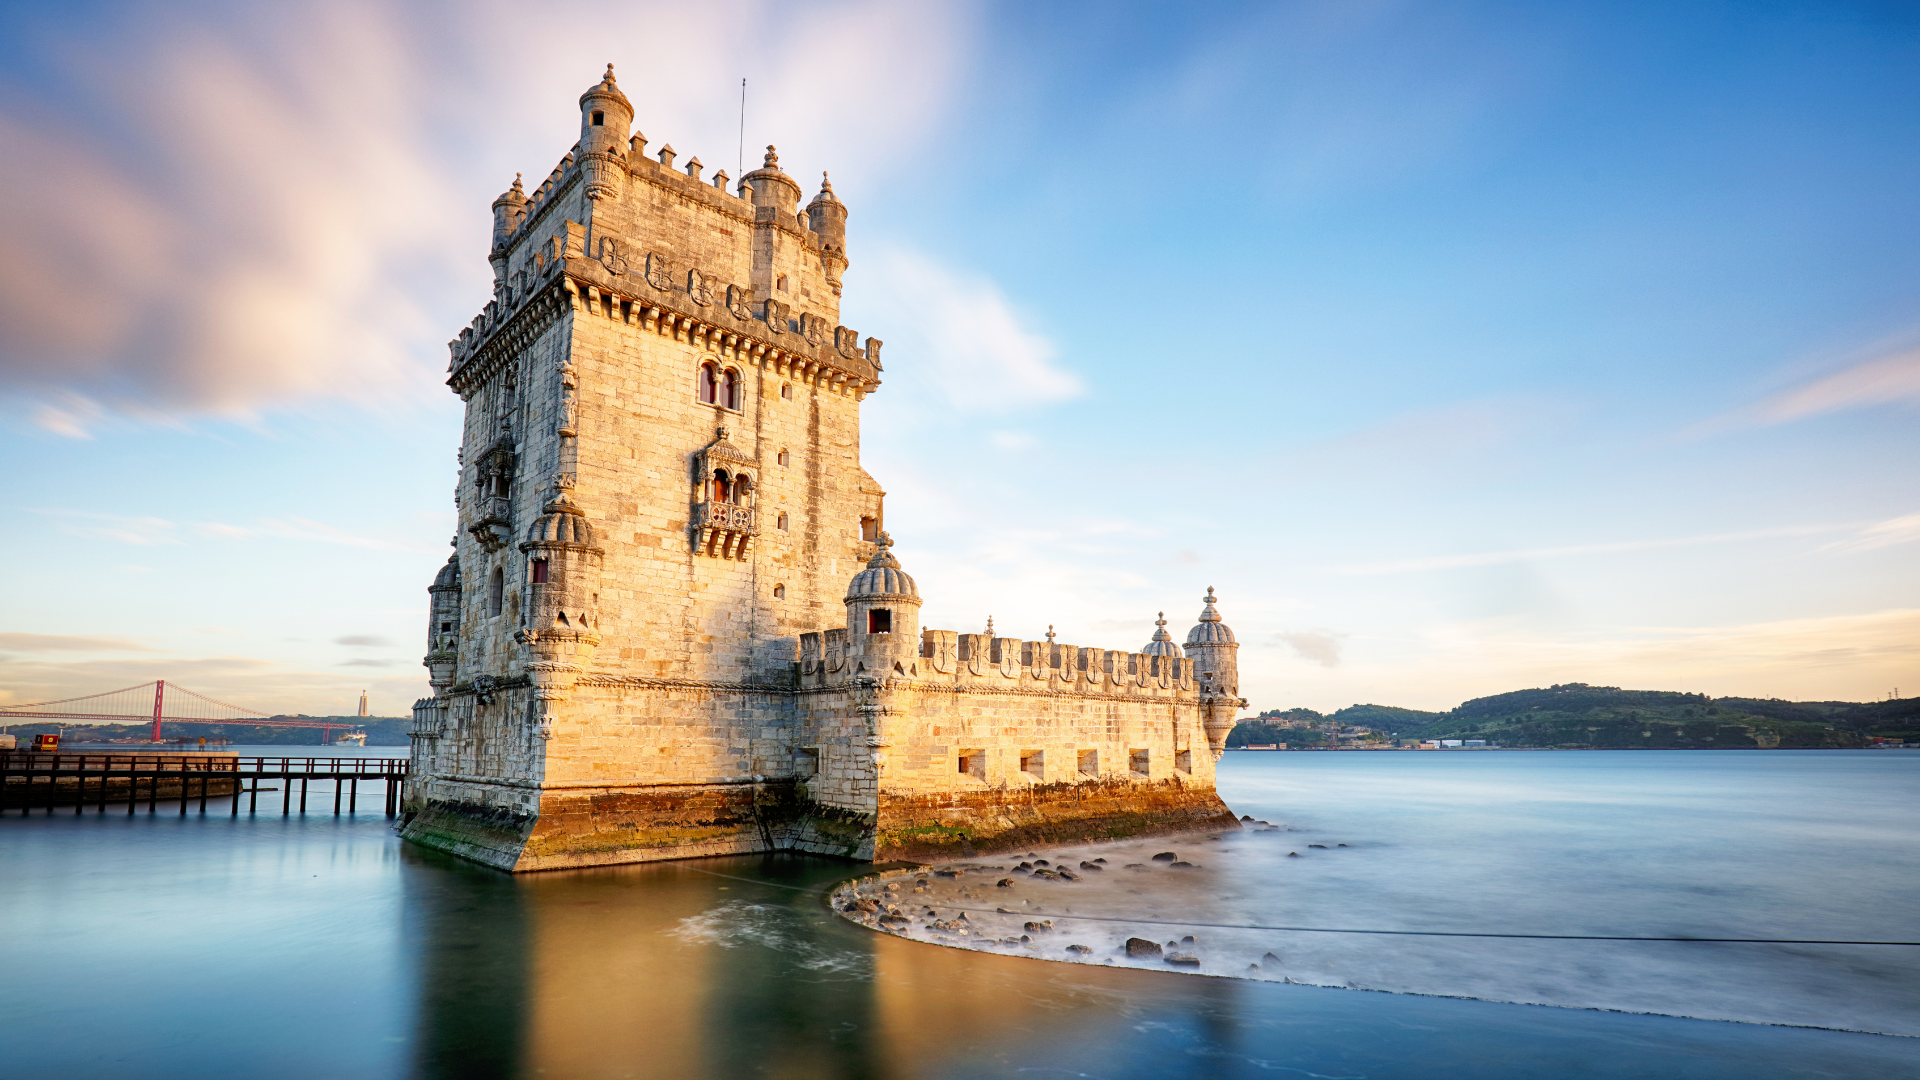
x: 1880, y: 381
x: 968, y: 340
x: 1320, y: 646
x: 120, y: 528
x: 1900, y: 530
x: 363, y: 641
x: 71, y: 643
x: 1886, y: 378
x: 1494, y: 558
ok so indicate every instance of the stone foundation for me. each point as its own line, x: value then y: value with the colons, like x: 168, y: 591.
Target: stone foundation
x: 976, y: 822
x: 650, y: 824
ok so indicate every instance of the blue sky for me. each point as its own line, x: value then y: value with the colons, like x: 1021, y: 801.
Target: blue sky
x: 1462, y: 347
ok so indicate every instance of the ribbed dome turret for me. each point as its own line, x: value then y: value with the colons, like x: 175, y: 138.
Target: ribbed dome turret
x: 883, y: 577
x: 1210, y: 631
x: 449, y: 576
x: 563, y: 523
x: 606, y: 88
x: 1162, y: 643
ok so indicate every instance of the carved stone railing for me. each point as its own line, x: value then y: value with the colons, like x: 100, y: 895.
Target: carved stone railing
x: 723, y: 530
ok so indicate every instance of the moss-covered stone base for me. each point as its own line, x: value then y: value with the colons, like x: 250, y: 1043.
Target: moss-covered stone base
x: 599, y: 828
x: 966, y: 823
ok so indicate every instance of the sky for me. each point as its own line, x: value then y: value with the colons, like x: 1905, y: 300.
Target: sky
x: 1461, y: 347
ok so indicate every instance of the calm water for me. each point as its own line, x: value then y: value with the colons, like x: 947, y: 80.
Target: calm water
x: 321, y: 947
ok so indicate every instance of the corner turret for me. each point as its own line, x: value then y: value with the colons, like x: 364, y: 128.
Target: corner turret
x: 508, y: 211
x: 827, y: 217
x: 1212, y: 646
x: 606, y: 116
x: 883, y: 614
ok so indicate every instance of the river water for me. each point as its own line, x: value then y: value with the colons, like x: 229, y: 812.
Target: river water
x: 322, y: 947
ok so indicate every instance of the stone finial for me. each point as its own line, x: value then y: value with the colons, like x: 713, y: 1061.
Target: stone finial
x: 989, y: 626
x: 516, y: 188
x: 772, y: 160
x: 1049, y: 633
x: 609, y: 76
x: 1211, y: 614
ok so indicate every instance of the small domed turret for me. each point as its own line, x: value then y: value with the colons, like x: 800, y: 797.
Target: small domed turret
x: 883, y: 615
x: 563, y: 525
x: 883, y: 577
x: 827, y: 217
x: 1212, y: 647
x: 605, y: 117
x: 768, y: 186
x: 1162, y: 643
x: 1210, y: 630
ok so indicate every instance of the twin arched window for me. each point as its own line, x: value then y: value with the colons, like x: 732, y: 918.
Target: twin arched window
x: 732, y: 489
x: 719, y: 387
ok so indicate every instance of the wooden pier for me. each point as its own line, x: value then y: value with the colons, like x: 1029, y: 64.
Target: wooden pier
x: 31, y: 780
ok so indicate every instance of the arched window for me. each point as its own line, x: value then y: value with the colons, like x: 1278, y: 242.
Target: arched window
x: 722, y: 486
x: 496, y: 591
x: 779, y: 592
x: 709, y: 385
x: 781, y: 523
x: 742, y: 489
x: 730, y: 396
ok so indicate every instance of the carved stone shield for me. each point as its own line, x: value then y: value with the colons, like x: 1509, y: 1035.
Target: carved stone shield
x: 698, y: 290
x: 659, y: 272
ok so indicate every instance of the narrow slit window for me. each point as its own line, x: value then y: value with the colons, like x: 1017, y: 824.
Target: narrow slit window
x: 781, y: 523
x: 709, y: 385
x: 784, y: 458
x: 599, y: 118
x: 779, y: 592
x: 730, y: 389
x: 539, y: 571
x: 786, y: 391
x: 880, y: 621
x: 496, y: 592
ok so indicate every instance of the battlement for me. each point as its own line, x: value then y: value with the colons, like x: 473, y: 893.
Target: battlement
x: 836, y: 656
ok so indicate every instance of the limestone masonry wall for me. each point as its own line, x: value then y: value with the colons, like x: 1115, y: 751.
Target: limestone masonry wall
x: 672, y: 624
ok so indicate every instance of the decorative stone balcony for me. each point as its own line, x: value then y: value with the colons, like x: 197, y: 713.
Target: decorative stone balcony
x: 493, y: 521
x: 723, y: 530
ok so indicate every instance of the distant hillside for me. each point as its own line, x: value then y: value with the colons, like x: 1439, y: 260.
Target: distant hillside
x: 1578, y: 716
x: 381, y: 731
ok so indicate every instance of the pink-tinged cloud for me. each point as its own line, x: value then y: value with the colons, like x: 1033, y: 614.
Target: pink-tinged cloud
x: 220, y: 209
x: 1881, y: 381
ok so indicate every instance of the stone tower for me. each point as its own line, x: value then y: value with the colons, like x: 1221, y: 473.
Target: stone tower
x: 673, y: 624
x: 1211, y: 647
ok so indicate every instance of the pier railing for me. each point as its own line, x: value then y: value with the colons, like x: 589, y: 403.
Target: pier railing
x: 31, y: 780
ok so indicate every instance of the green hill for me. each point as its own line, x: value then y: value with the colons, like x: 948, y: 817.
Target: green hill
x: 1578, y: 716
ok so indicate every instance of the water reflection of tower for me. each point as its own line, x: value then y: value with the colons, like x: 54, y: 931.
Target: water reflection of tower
x: 363, y: 703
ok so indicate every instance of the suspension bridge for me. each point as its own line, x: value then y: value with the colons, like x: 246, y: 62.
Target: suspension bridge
x: 160, y: 703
